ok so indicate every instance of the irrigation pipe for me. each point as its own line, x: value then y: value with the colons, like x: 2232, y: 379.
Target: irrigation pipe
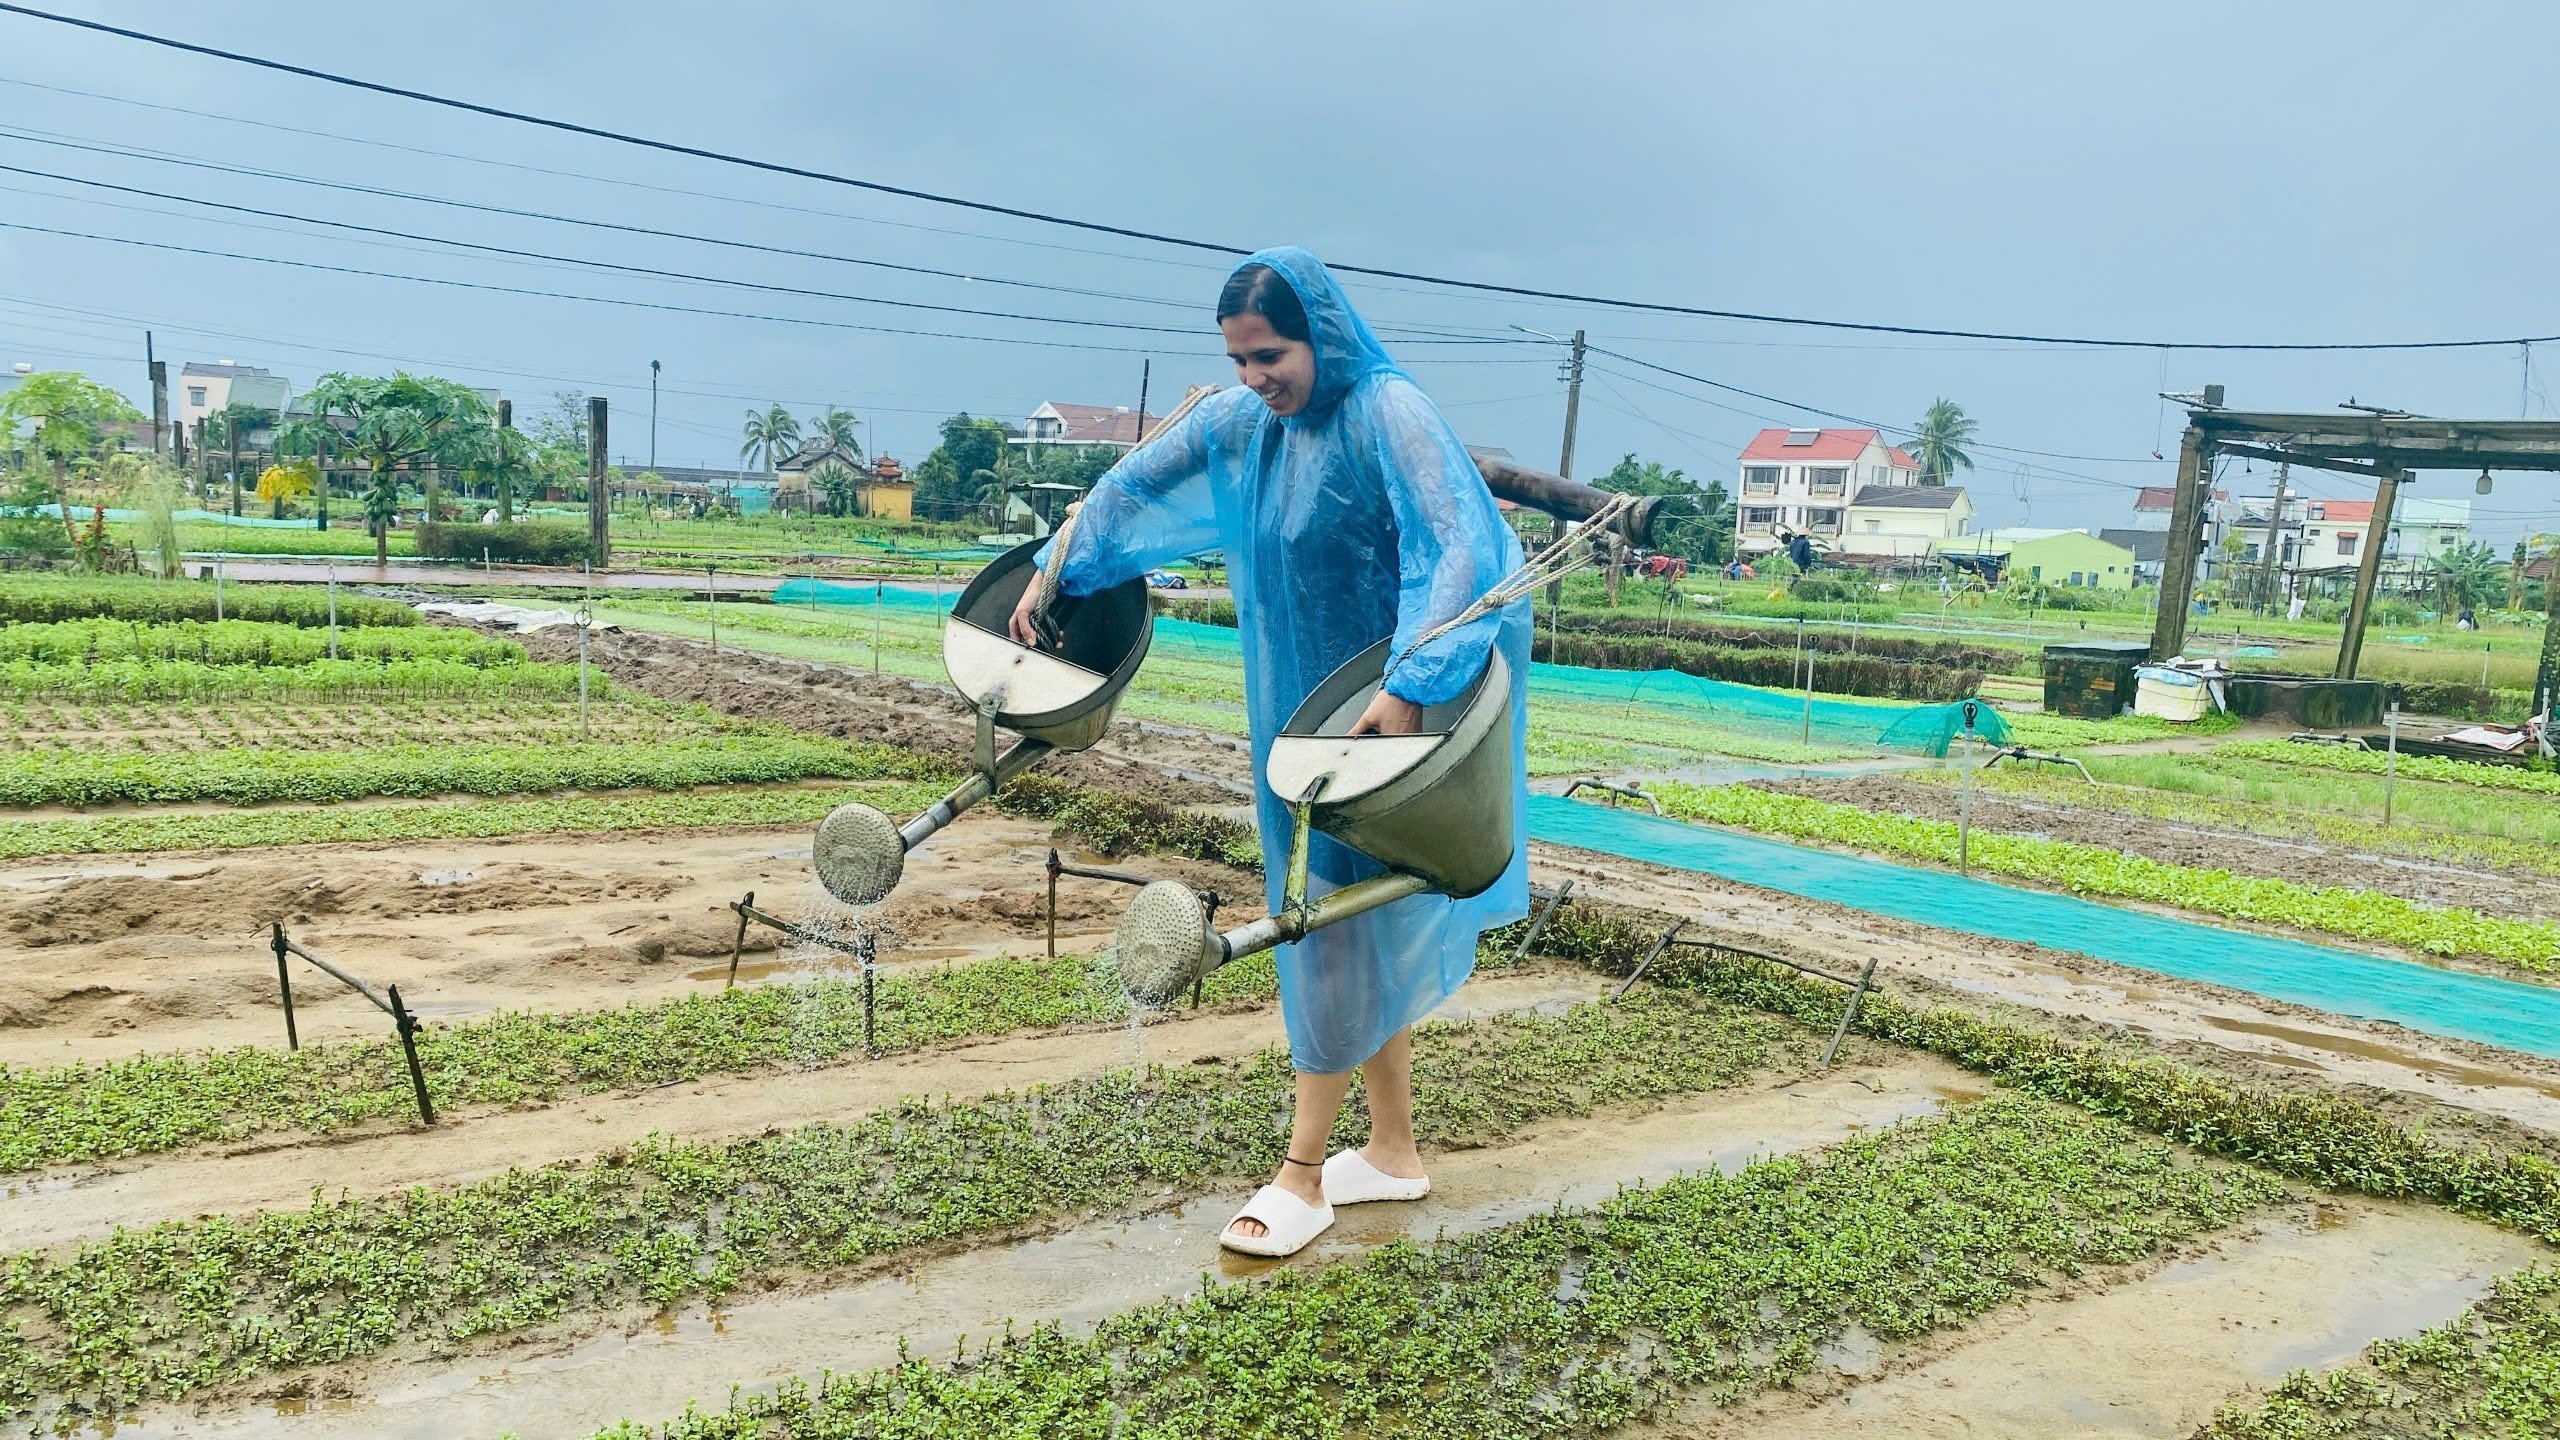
x: 1858, y: 987
x: 864, y: 951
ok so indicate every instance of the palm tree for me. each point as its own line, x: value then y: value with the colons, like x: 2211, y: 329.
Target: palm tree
x: 1940, y: 438
x: 310, y: 435
x: 837, y: 481
x: 772, y: 436
x: 835, y: 427
x: 991, y: 495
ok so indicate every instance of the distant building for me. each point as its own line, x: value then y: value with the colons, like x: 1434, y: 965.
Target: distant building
x: 1058, y: 423
x: 2054, y: 557
x: 1802, y: 481
x: 2249, y: 522
x: 2150, y: 551
x: 202, y: 389
x: 1905, y: 520
x: 2156, y: 504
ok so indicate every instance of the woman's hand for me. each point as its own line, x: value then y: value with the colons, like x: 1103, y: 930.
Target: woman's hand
x: 1019, y: 626
x: 1389, y: 715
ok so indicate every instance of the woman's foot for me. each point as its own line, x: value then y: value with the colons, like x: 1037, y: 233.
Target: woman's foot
x: 1282, y: 1216
x: 1375, y: 1172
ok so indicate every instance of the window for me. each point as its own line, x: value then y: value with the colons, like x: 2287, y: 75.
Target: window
x: 2346, y: 542
x: 195, y: 395
x: 2319, y: 512
x: 1828, y: 480
x: 1824, y: 521
x: 1760, y: 479
x: 2077, y: 579
x: 1759, y: 517
x: 2249, y: 553
x: 1875, y: 527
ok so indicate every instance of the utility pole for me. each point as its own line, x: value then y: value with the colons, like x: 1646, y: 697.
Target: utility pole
x: 2267, y: 566
x: 506, y: 421
x: 1564, y: 462
x: 159, y: 374
x: 653, y: 415
x: 1146, y: 372
x: 231, y: 426
x: 599, y: 499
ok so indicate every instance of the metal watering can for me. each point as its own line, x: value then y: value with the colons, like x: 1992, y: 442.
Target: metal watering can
x: 1434, y: 807
x: 1057, y: 698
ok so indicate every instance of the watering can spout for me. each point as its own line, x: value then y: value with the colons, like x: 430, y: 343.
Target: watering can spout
x: 1434, y: 807
x: 1056, y: 697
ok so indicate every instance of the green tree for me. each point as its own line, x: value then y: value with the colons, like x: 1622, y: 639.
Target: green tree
x: 992, y: 493
x: 839, y: 482
x: 1693, y: 523
x: 771, y: 436
x: 311, y: 436
x: 424, y: 422
x: 835, y: 426
x: 2472, y: 575
x: 70, y: 413
x: 230, y: 427
x: 947, y: 483
x: 1940, y: 439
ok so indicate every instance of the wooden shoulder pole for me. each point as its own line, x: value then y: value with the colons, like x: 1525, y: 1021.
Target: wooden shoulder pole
x: 2386, y: 490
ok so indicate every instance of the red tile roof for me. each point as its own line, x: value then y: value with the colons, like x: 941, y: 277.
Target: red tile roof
x: 2165, y: 497
x: 1827, y: 445
x: 1097, y: 424
x: 2354, y: 512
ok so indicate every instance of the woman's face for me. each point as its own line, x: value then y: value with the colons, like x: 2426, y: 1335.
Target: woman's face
x: 1280, y: 370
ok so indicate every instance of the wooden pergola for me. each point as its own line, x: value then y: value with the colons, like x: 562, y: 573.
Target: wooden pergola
x: 2385, y: 447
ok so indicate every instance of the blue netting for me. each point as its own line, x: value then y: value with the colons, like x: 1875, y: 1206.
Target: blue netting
x: 2511, y: 1013
x: 1722, y: 705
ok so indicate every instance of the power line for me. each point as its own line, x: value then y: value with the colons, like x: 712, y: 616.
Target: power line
x: 1016, y: 212
x: 1848, y: 418
x: 585, y: 299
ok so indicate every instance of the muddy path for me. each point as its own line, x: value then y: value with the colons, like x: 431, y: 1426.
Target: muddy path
x: 2157, y: 1351
x: 1177, y: 766
x: 649, y: 1365
x: 2454, y: 1085
x: 2523, y: 896
x: 107, y: 956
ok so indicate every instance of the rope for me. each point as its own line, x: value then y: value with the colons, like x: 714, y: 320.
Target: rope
x: 1579, y: 546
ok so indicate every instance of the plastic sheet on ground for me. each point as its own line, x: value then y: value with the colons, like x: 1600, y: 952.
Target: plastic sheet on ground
x: 514, y: 618
x: 2512, y: 1013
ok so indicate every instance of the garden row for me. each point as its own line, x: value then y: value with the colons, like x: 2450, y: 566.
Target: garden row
x: 245, y: 642
x: 71, y: 1114
x: 256, y: 774
x: 2095, y: 870
x: 2458, y: 830
x: 110, y: 681
x: 158, y: 1313
x: 1577, y: 1321
x: 2533, y: 781
x: 29, y: 600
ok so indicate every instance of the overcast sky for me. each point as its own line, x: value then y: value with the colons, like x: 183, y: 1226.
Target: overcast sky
x: 2319, y: 172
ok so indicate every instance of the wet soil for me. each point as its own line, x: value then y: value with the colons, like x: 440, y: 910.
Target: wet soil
x: 1177, y: 766
x: 2523, y: 896
x: 106, y: 956
x: 2158, y: 1354
x: 650, y: 1365
x: 2479, y: 1091
x: 279, y: 1172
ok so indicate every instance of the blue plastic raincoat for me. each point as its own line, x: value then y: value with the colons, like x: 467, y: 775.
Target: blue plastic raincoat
x: 1360, y: 516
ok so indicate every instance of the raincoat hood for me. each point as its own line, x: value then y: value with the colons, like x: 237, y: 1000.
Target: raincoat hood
x: 1346, y: 353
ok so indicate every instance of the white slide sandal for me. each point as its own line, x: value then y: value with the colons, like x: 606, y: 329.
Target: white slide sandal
x: 1288, y: 1223
x: 1349, y: 1179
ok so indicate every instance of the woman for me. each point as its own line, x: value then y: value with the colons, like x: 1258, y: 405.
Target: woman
x: 1348, y: 512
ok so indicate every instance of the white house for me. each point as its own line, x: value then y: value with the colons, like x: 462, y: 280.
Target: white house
x: 1802, y: 481
x: 1905, y: 519
x: 203, y: 389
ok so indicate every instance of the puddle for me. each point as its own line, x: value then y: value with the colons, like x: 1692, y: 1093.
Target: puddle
x: 2367, y: 1049
x: 2158, y: 1355
x: 1077, y: 1277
